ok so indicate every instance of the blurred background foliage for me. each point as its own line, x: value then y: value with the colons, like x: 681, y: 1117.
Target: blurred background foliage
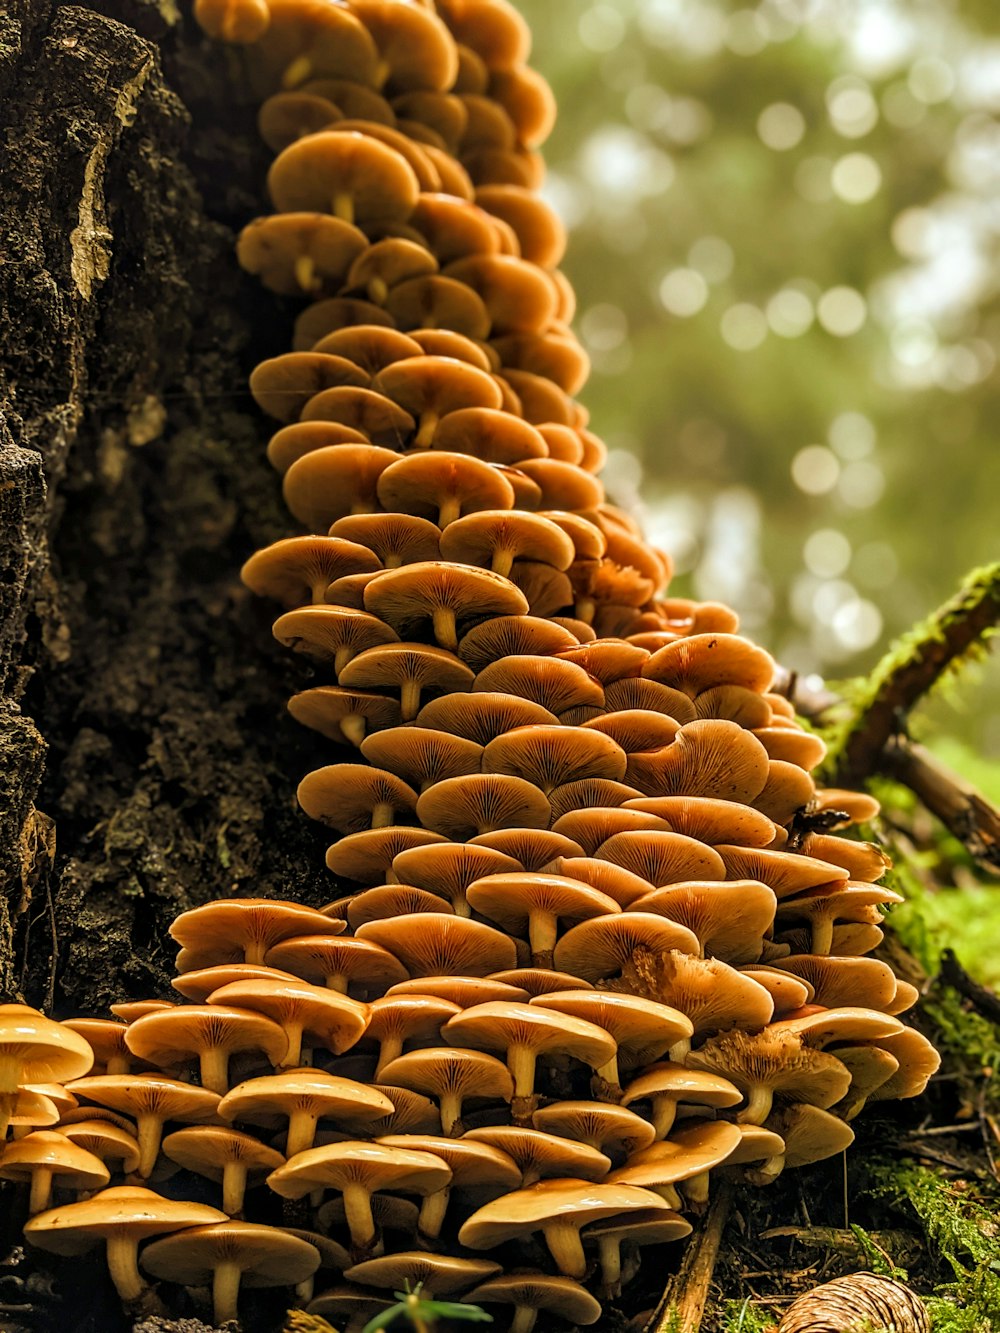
x: 784, y: 222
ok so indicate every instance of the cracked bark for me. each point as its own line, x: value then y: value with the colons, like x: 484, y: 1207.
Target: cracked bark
x: 147, y: 763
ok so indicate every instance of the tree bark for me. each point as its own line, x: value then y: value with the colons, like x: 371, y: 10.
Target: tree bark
x: 147, y: 762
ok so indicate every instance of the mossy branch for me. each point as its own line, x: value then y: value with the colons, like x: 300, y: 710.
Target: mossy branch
x: 913, y: 665
x: 864, y: 728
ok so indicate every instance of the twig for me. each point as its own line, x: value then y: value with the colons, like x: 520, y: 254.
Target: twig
x: 682, y: 1307
x: 911, y: 668
x: 965, y: 812
x: 955, y: 975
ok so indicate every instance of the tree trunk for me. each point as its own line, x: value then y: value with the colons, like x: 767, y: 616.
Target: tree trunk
x: 147, y: 762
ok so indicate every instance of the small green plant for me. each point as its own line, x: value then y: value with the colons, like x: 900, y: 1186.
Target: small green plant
x: 424, y: 1314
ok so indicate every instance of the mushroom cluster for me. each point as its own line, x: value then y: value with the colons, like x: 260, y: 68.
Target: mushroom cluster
x: 597, y: 936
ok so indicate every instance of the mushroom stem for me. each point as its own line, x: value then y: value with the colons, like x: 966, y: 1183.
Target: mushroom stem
x: 585, y: 609
x: 353, y: 727
x: 318, y: 589
x: 41, y: 1190
x: 503, y: 560
x: 338, y: 981
x: 301, y: 1132
x: 543, y: 931
x: 292, y: 1059
x: 383, y: 815
x: 341, y: 659
x: 225, y: 1292
x: 409, y: 701
x: 234, y: 1181
x: 432, y: 1213
x: 343, y: 206
x: 444, y: 627
x: 391, y: 1046
x: 822, y: 934
x: 696, y: 1191
x: 525, y: 1319
x: 450, y: 510
x: 297, y: 72
x: 10, y: 1078
x: 425, y: 433
x: 378, y: 290
x: 664, y: 1115
x: 451, y: 1114
x: 608, y: 1081
x: 521, y: 1063
x: 758, y: 1106
x: 566, y: 1248
x: 253, y: 952
x: 305, y: 272
x: 680, y: 1050
x: 124, y: 1268
x: 149, y: 1132
x: 610, y: 1251
x: 119, y: 1064
x: 215, y: 1066
x: 358, y: 1215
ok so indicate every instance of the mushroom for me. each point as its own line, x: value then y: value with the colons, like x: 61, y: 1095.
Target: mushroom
x: 541, y: 1155
x: 353, y: 797
x: 664, y: 1086
x: 345, y: 716
x: 338, y: 963
x: 442, y: 593
x: 482, y: 803
x: 534, y: 848
x: 298, y: 253
x: 551, y: 756
x: 247, y: 926
x: 34, y: 1049
x: 771, y: 1061
x: 451, y: 1076
x: 475, y: 1168
x: 396, y: 1019
x: 525, y: 1032
x: 151, y: 1099
x: 231, y: 1159
x: 210, y: 1033
x: 688, y: 1156
x: 448, y: 868
x: 397, y: 539
x: 643, y: 1030
x: 435, y: 944
x: 357, y: 1171
x: 300, y: 569
x: 310, y: 1014
x: 730, y: 919
x: 303, y: 1097
x: 120, y: 1217
x: 45, y: 1159
x: 106, y: 1140
x: 230, y: 1255
x: 412, y: 668
x: 532, y: 906
x: 332, y: 634
x: 422, y: 756
x: 368, y: 857
x: 351, y: 175
x: 612, y: 1130
x: 433, y: 1274
x: 481, y: 716
x: 557, y: 1208
x: 547, y: 681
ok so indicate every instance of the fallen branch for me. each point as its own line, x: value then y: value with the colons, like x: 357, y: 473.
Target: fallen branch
x: 982, y: 998
x: 964, y: 811
x: 682, y: 1307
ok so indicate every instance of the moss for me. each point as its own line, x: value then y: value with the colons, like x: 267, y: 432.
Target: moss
x: 965, y: 1235
x: 746, y: 1317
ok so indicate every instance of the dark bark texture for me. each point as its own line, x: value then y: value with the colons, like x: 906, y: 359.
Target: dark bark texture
x: 146, y: 761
